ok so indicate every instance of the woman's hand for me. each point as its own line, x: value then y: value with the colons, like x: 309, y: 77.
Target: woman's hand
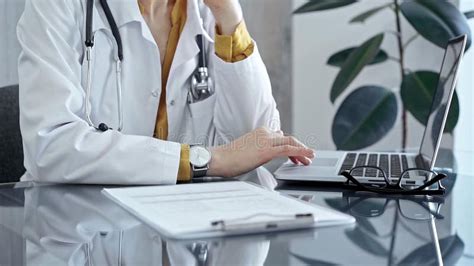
x: 228, y: 14
x: 255, y: 149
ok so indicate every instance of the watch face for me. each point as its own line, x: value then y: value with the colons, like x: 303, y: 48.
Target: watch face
x: 199, y: 156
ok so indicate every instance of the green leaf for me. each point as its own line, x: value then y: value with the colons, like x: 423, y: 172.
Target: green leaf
x: 417, y: 93
x: 469, y: 14
x: 338, y: 59
x: 318, y: 5
x: 361, y: 18
x: 364, y: 118
x: 436, y: 21
x: 354, y: 64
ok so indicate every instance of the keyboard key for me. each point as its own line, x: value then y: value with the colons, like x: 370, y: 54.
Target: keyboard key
x: 395, y: 166
x: 351, y: 156
x: 371, y: 172
x: 348, y: 162
x: 358, y: 172
x: 404, y: 162
x: 405, y: 166
x: 361, y: 160
x: 372, y: 160
x: 383, y: 163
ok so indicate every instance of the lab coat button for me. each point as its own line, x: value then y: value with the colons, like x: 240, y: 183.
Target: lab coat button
x: 172, y: 102
x: 155, y: 94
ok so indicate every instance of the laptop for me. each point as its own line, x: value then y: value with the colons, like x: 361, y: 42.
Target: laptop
x: 328, y: 165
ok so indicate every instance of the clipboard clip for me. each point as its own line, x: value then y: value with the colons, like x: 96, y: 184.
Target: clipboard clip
x: 287, y: 222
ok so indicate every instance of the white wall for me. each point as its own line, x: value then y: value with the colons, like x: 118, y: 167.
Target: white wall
x: 10, y: 11
x: 269, y: 23
x: 316, y: 36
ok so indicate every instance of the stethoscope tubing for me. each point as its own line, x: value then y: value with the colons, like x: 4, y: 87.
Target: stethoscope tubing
x: 119, y: 94
x: 87, y: 103
x: 201, y: 76
x: 89, y: 44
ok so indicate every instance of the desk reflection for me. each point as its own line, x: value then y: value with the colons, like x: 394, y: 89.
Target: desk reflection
x: 78, y: 225
x: 390, y: 231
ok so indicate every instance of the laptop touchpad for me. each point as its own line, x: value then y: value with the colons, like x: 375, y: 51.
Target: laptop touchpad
x: 325, y: 162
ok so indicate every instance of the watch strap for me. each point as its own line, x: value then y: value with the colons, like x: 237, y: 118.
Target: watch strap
x: 199, y: 172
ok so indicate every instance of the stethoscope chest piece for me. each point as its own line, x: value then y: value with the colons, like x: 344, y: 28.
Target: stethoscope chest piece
x: 202, y: 85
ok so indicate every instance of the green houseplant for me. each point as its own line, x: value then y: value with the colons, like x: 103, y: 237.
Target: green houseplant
x: 368, y: 113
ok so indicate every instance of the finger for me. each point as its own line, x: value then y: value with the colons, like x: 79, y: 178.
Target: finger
x: 288, y: 140
x: 303, y: 160
x: 277, y: 134
x: 292, y: 141
x: 291, y: 151
x: 294, y: 160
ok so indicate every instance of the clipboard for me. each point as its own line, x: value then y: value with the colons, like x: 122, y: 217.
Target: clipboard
x: 207, y: 210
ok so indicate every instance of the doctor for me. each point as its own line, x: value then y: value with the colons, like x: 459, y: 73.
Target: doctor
x: 121, y: 111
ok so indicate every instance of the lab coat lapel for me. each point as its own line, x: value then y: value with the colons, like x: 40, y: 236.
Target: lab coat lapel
x: 126, y: 11
x: 184, y: 64
x: 187, y: 47
x: 100, y: 22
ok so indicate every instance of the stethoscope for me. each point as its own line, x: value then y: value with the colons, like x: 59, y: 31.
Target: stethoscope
x: 202, y: 85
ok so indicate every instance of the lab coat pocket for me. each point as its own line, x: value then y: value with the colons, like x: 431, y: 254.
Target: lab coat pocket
x: 202, y: 117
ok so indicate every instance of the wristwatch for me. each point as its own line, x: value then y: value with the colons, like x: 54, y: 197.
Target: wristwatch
x: 200, y: 158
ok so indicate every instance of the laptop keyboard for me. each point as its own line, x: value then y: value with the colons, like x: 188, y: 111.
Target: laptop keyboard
x: 392, y: 164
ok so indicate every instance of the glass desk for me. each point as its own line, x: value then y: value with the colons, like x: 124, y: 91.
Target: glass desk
x: 76, y: 225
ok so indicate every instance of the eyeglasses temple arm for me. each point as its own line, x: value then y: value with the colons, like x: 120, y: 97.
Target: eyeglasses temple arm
x: 355, y: 181
x: 437, y: 178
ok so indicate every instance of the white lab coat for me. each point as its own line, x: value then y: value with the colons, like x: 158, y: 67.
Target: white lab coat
x: 59, y: 146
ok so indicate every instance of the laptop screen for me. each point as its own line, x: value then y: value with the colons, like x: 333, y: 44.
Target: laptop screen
x: 442, y: 101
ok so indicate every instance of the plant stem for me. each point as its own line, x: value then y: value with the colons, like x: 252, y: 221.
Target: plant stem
x: 401, y: 50
x: 410, y: 40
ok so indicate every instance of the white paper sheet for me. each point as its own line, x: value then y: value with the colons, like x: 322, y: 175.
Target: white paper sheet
x: 184, y: 211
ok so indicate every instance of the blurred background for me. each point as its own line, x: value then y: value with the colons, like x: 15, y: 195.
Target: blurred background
x: 296, y: 49
x: 316, y: 36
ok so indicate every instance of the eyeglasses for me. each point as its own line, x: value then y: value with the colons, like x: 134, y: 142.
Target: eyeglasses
x: 414, y: 181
